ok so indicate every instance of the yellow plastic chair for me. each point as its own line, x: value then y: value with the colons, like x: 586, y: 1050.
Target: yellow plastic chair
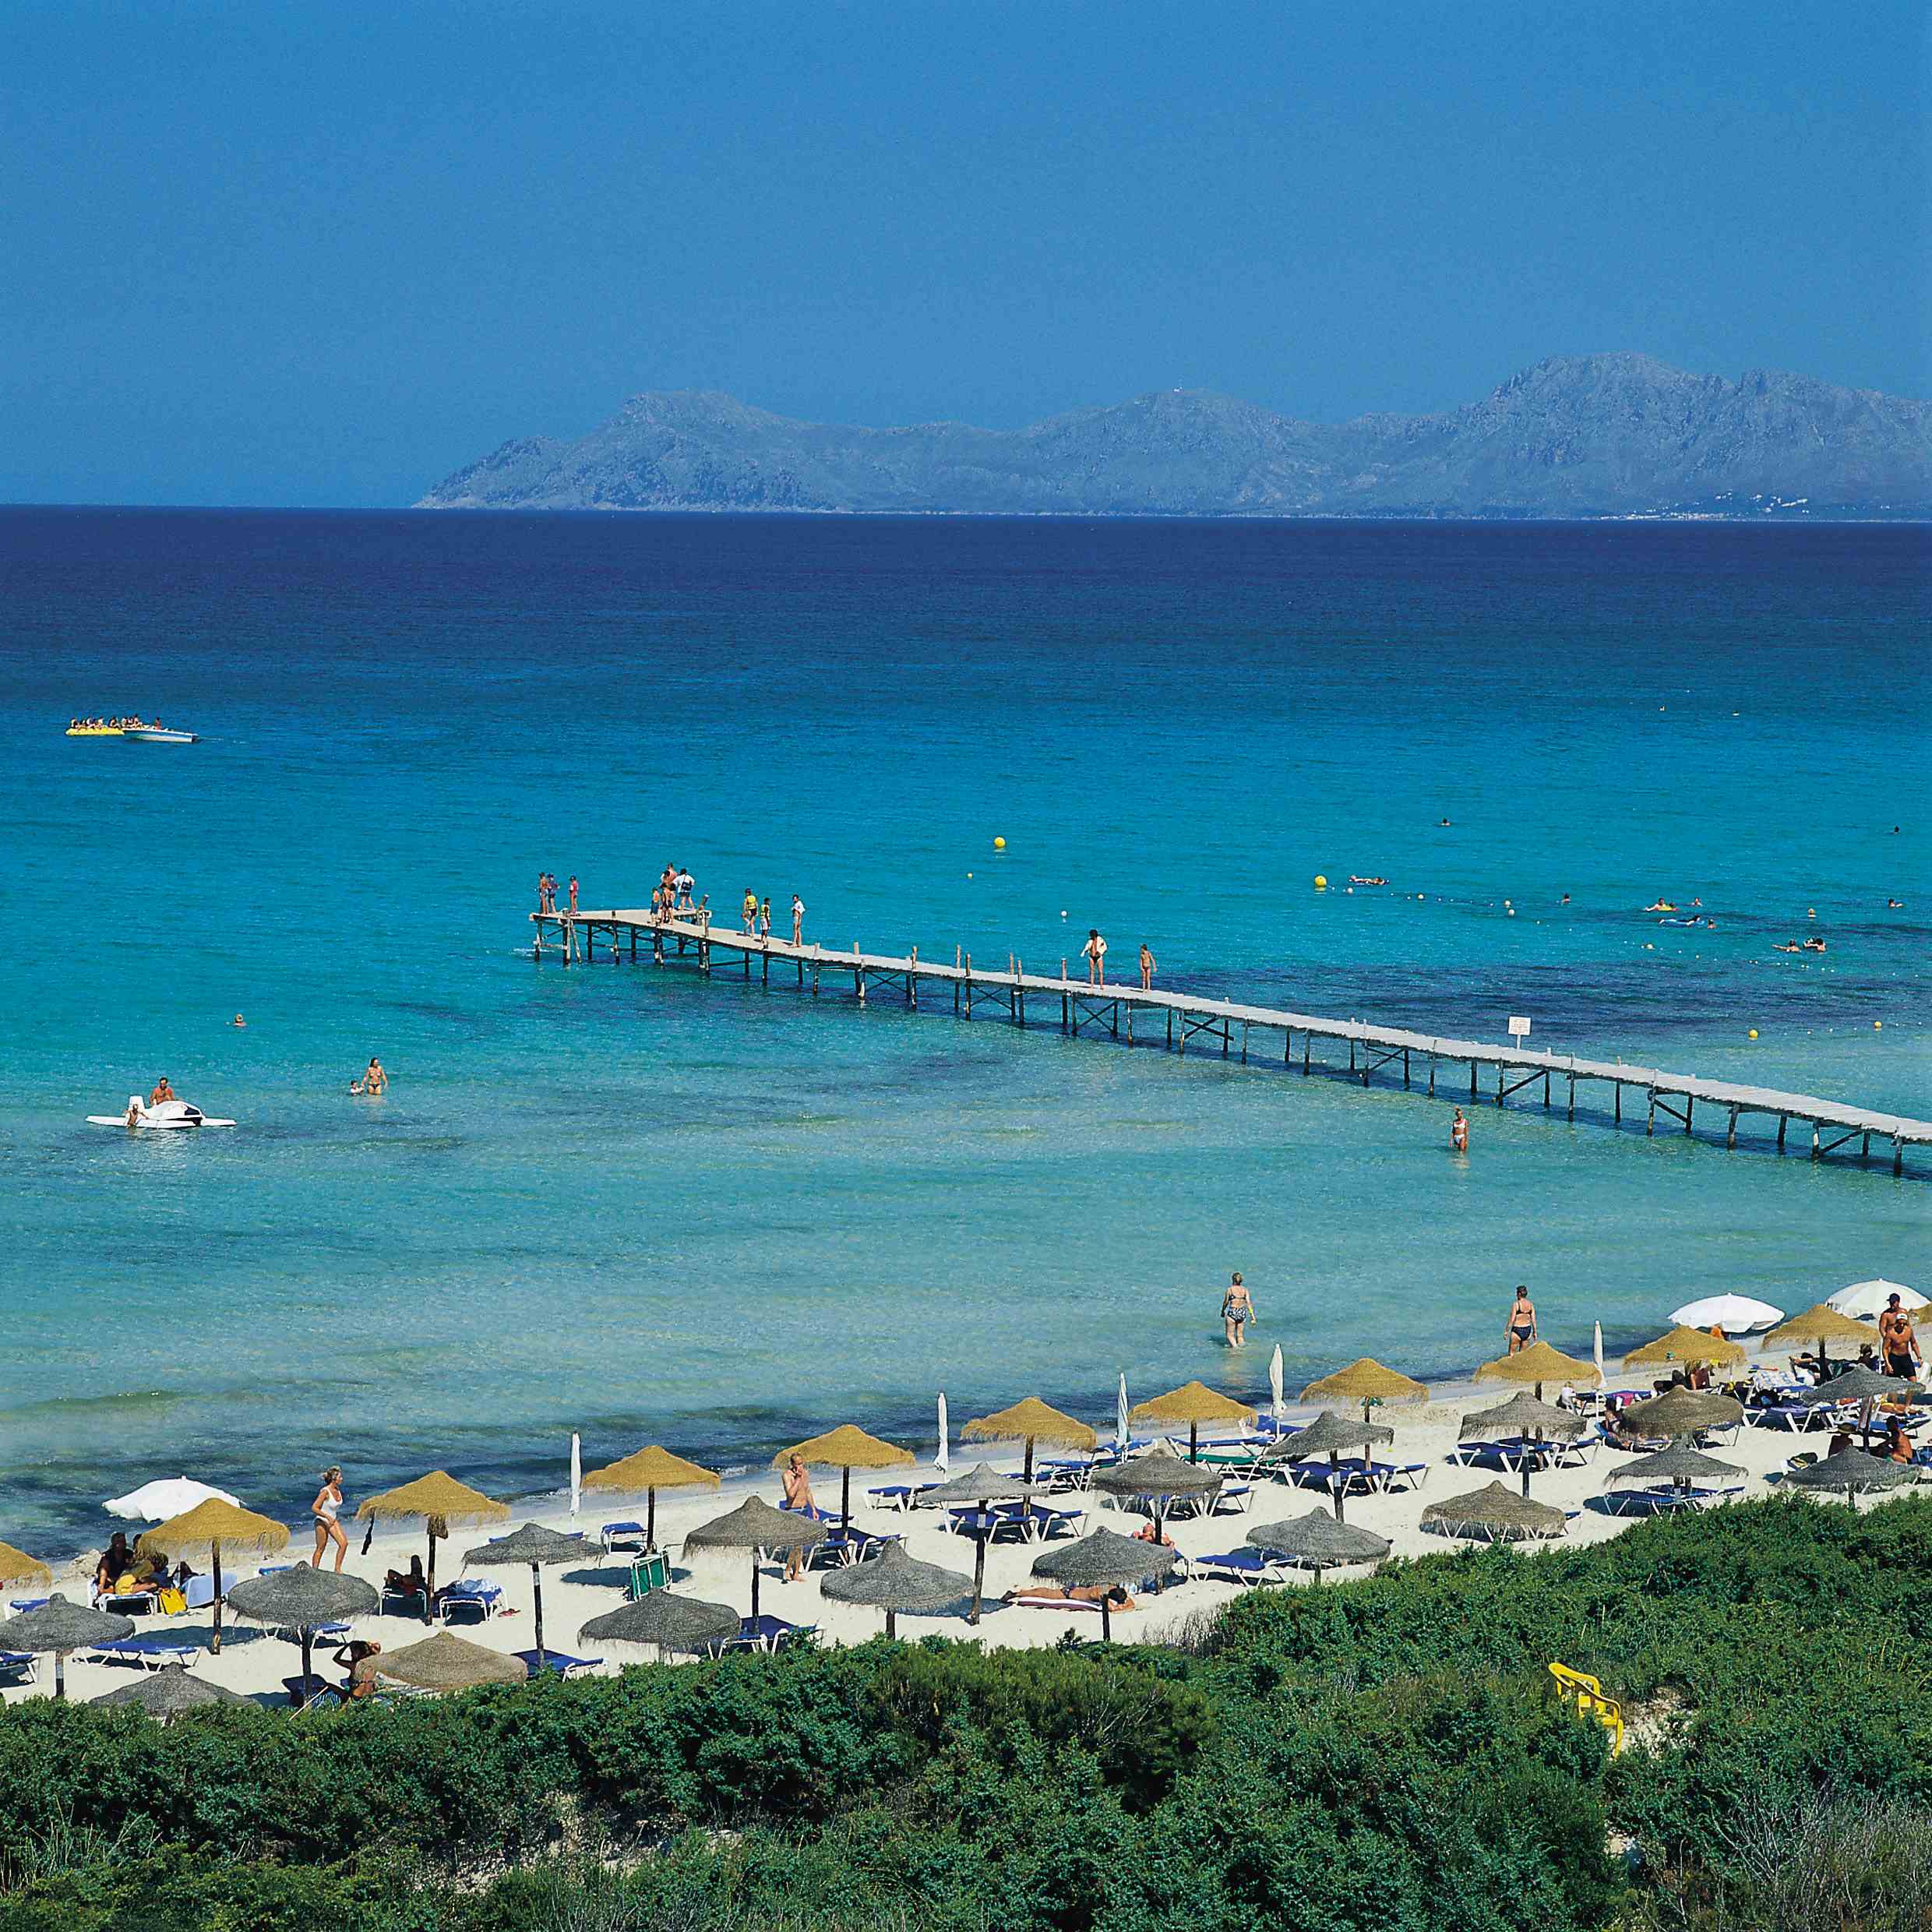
x: 1587, y: 1695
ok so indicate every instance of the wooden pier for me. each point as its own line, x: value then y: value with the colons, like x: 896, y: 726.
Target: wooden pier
x: 1185, y: 1022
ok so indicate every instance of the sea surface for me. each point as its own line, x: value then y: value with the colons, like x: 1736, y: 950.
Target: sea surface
x: 631, y: 1203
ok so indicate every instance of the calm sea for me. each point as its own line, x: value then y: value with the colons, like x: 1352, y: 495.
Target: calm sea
x: 625, y: 1202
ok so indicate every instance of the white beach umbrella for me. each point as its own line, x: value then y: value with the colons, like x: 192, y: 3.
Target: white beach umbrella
x: 165, y: 1497
x: 1121, y: 1432
x: 1864, y: 1299
x: 576, y: 1472
x: 943, y: 1460
x: 1275, y: 1383
x: 1735, y: 1314
x: 1596, y: 1347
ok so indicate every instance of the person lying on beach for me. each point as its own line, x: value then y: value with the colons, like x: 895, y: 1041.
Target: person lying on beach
x: 1115, y: 1598
x: 410, y: 1582
x: 1147, y: 1533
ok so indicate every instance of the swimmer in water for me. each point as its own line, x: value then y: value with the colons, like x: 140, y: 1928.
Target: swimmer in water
x: 374, y: 1081
x: 1522, y: 1322
x: 238, y: 1021
x: 1459, y: 1134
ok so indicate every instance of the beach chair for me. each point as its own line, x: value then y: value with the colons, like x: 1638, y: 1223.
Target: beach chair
x: 146, y: 1653
x: 20, y: 1605
x: 846, y: 1546
x: 1585, y: 1694
x: 198, y: 1593
x: 625, y: 1536
x: 648, y: 1572
x: 900, y: 1496
x: 469, y: 1600
x: 1392, y: 1476
x: 18, y: 1667
x: 1245, y: 1566
x: 767, y: 1633
x: 403, y: 1603
x: 1056, y: 1474
x: 1231, y: 1498
x: 555, y: 1661
x: 135, y: 1603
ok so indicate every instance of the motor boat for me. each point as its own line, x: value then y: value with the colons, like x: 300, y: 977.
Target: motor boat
x: 170, y: 1113
x: 158, y: 734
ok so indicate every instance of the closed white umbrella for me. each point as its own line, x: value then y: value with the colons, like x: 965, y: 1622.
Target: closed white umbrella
x: 1864, y: 1299
x: 1121, y: 1432
x: 576, y: 1472
x: 165, y: 1497
x: 1735, y: 1314
x: 943, y: 1460
x: 1596, y: 1347
x: 1275, y: 1383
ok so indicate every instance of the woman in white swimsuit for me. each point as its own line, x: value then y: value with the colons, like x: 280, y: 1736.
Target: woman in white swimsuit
x: 325, y: 1509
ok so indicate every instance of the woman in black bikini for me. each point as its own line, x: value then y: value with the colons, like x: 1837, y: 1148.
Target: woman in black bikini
x: 1236, y: 1312
x: 1522, y: 1321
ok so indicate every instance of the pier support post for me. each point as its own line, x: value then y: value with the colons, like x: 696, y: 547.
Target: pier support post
x: 1619, y: 1085
x: 1305, y: 1040
x: 1690, y: 1108
x: 1898, y: 1153
x: 1472, y: 1079
x: 1864, y: 1146
x: 1730, y: 1132
x: 1815, y: 1154
x: 1650, y: 1126
x: 1499, y: 1083
x: 1244, y: 1043
x: 1572, y: 1109
x: 1170, y: 1028
x: 1405, y: 1069
x: 912, y: 979
x: 1431, y: 1076
x: 1784, y: 1121
x: 1288, y: 1045
x: 1546, y: 1089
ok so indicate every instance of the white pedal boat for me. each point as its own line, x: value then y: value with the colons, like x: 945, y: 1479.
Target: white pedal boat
x: 170, y: 1113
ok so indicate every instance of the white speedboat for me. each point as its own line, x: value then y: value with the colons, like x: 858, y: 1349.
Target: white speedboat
x: 157, y: 735
x: 170, y: 1113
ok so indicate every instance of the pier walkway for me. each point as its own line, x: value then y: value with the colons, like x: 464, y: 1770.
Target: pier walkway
x: 1186, y: 1021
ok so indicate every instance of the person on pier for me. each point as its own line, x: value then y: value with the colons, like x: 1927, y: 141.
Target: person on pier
x: 1146, y: 968
x: 573, y: 892
x: 748, y: 912
x: 1094, y: 953
x: 764, y: 922
x: 797, y: 920
x: 684, y: 883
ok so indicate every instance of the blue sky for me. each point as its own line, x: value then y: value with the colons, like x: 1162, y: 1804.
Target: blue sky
x: 258, y: 255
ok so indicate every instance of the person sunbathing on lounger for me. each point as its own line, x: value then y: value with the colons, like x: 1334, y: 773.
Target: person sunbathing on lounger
x: 1112, y: 1595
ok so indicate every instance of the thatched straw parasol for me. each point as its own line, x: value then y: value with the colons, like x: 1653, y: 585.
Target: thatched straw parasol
x: 1108, y: 1561
x: 1688, y: 1347
x: 1820, y: 1323
x: 1682, y: 1411
x: 1030, y: 1421
x: 1500, y: 1514
x: 534, y: 1545
x: 1855, y: 1385
x: 975, y: 1488
x: 755, y: 1525
x: 845, y: 1448
x: 1318, y: 1542
x: 1160, y: 1476
x: 1679, y: 1463
x: 665, y: 1619
x: 59, y: 1627
x: 206, y: 1531
x: 440, y: 1501
x: 644, y: 1472
x: 1332, y: 1436
x: 17, y: 1567
x: 1852, y: 1470
x: 299, y: 1599
x: 1522, y: 1415
x: 447, y: 1661
x: 1364, y: 1381
x: 166, y: 1694
x: 1193, y: 1403
x: 894, y: 1581
x: 1539, y: 1363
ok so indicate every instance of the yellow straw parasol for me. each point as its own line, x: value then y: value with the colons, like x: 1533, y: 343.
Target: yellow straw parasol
x: 1692, y: 1347
x: 1031, y: 1421
x: 440, y: 1501
x: 1539, y: 1363
x: 1820, y: 1323
x: 17, y: 1567
x: 210, y: 1527
x: 644, y: 1472
x: 1193, y: 1403
x: 447, y: 1661
x: 845, y: 1448
x: 1367, y: 1382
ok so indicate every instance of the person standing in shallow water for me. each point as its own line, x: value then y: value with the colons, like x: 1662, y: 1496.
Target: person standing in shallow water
x: 1237, y: 1310
x: 1522, y: 1322
x: 1458, y: 1134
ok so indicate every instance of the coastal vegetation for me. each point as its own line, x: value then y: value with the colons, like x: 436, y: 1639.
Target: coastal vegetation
x: 1387, y: 1752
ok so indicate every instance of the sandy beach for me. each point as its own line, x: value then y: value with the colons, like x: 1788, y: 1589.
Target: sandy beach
x: 254, y: 1663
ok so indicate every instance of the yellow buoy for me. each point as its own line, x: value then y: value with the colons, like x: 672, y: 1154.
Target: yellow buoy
x: 999, y: 845
x: 1877, y: 1026
x: 1321, y: 882
x: 1754, y: 1033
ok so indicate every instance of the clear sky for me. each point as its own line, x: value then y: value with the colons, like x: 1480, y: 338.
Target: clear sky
x: 253, y: 254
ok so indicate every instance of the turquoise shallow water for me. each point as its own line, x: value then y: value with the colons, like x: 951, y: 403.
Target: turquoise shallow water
x: 628, y: 1203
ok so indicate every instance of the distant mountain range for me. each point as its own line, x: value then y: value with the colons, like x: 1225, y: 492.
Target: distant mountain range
x: 1595, y: 435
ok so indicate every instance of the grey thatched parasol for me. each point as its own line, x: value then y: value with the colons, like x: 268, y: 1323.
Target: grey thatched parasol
x: 59, y: 1627
x: 1160, y: 1476
x: 1107, y: 1560
x: 165, y: 1694
x: 894, y: 1581
x: 1330, y: 1435
x: 664, y: 1618
x: 976, y: 1487
x: 1855, y: 1385
x: 1680, y: 1463
x: 1316, y: 1542
x: 1525, y: 1416
x: 755, y: 1525
x: 534, y: 1545
x: 1682, y: 1411
x: 299, y: 1598
x: 447, y: 1661
x: 1499, y: 1513
x: 1852, y: 1470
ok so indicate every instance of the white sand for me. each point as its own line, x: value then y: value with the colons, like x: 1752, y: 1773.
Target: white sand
x: 254, y: 1662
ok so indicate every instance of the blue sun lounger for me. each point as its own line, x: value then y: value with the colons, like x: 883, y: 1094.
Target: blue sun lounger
x: 767, y: 1633
x: 471, y: 1597
x: 1235, y: 1566
x: 625, y: 1536
x: 555, y: 1660
x: 18, y: 1666
x: 151, y: 1653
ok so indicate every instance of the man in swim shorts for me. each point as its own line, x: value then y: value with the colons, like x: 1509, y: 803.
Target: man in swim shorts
x: 1897, y: 1340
